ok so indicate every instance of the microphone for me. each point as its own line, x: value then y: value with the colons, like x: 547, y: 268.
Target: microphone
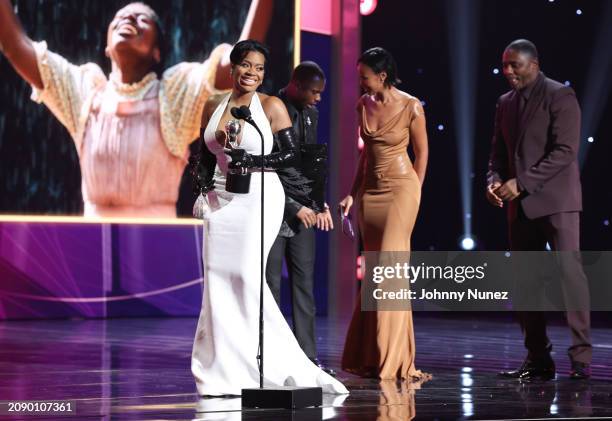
x: 242, y: 113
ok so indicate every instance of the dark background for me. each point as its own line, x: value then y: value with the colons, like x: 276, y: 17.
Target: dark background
x: 416, y: 34
x: 39, y: 168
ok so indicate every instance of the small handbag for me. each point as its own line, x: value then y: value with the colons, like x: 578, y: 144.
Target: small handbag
x: 200, y: 207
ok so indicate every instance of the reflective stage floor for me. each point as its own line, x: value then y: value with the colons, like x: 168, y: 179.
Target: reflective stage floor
x: 138, y: 369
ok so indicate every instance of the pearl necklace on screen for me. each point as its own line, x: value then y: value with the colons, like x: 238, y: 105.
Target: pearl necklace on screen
x: 134, y: 91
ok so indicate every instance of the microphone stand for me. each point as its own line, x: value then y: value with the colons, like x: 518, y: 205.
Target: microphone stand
x: 244, y: 113
x: 280, y: 397
x: 260, y: 352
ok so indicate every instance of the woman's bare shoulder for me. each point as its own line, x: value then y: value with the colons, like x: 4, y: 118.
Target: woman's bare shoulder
x: 362, y: 101
x: 412, y: 103
x: 407, y: 99
x: 271, y: 104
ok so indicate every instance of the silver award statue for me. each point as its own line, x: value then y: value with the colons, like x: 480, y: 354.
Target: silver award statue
x: 232, y: 130
x: 238, y: 180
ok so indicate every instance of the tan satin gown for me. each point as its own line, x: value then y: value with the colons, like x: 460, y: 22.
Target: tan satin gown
x: 381, y: 343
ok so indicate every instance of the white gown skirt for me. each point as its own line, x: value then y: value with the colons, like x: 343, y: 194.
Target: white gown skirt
x: 226, y: 342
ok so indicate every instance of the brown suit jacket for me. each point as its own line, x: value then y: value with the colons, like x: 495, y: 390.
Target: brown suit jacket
x: 540, y: 150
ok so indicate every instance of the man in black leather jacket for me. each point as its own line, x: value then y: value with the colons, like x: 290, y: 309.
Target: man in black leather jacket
x: 304, y: 209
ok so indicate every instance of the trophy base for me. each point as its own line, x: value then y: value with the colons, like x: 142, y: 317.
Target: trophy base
x: 286, y: 397
x: 238, y: 183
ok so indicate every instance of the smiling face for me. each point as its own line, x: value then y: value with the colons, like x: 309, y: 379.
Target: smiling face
x: 370, y: 81
x: 520, y: 69
x: 133, y: 31
x: 248, y: 75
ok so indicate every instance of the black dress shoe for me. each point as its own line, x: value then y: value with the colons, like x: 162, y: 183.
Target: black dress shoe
x: 513, y: 374
x: 541, y: 370
x: 319, y: 364
x: 533, y: 370
x: 580, y: 371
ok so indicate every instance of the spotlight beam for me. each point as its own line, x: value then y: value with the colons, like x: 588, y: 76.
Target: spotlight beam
x: 462, y: 19
x: 599, y: 81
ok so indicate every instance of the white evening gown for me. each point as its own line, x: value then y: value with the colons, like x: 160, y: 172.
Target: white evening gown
x: 225, y: 346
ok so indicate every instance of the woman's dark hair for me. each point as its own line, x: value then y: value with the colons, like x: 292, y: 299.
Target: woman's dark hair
x: 380, y: 60
x: 242, y: 48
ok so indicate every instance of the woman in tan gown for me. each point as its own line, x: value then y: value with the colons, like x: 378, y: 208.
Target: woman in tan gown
x: 381, y: 343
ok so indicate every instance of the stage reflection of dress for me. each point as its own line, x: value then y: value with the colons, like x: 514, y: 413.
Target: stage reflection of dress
x: 226, y: 342
x: 381, y: 343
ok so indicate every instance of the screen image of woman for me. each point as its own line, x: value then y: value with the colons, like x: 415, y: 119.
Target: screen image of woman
x: 131, y: 129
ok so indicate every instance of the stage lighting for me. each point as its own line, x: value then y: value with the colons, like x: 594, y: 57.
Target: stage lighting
x: 360, y: 143
x: 606, y: 222
x: 567, y: 83
x: 594, y: 95
x: 359, y: 268
x: 423, y: 103
x: 367, y: 7
x: 468, y: 409
x: 578, y: 12
x: 496, y: 71
x: 468, y: 243
x: 440, y: 127
x: 463, y: 21
x: 590, y: 139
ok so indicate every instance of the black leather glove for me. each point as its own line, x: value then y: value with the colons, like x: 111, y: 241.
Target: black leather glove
x: 202, y: 168
x: 240, y: 159
x: 288, y: 154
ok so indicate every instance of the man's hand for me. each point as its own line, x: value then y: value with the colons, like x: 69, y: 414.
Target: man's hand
x: 307, y: 216
x: 508, y: 191
x: 325, y: 221
x: 492, y: 196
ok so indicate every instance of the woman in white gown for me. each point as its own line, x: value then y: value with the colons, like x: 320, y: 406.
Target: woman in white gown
x: 226, y: 342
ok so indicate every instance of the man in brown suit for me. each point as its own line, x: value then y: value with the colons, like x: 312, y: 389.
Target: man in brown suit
x: 533, y: 168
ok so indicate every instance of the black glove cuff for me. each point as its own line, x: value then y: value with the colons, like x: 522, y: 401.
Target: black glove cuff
x: 202, y: 168
x: 287, y: 139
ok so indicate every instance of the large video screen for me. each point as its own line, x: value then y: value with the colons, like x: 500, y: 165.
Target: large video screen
x: 44, y: 149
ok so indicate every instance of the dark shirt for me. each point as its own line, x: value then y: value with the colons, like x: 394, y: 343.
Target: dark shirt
x: 524, y: 95
x: 523, y: 98
x: 305, y: 121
